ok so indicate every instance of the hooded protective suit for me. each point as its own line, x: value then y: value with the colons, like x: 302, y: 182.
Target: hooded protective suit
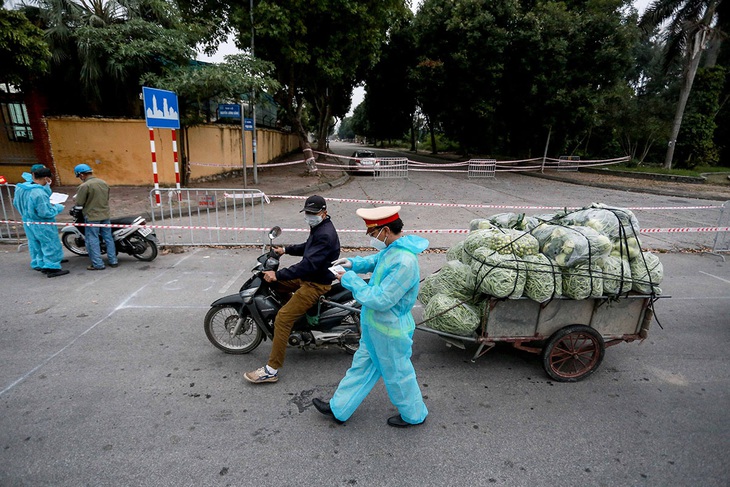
x: 33, y: 203
x: 387, y: 330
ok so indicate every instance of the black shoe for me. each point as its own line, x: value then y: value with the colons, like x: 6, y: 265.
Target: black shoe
x: 398, y: 422
x: 63, y: 261
x: 324, y: 408
x: 56, y: 273
x: 46, y: 271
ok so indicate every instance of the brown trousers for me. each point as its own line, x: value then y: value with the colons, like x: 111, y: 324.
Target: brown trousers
x: 305, y: 296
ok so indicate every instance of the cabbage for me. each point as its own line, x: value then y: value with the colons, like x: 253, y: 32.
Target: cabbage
x: 455, y: 279
x: 544, y: 280
x: 628, y: 248
x: 508, y: 220
x: 647, y: 272
x: 499, y: 275
x: 569, y: 246
x: 479, y: 224
x: 456, y: 251
x: 451, y: 315
x: 505, y: 241
x: 616, y: 275
x: 581, y: 282
x: 612, y: 222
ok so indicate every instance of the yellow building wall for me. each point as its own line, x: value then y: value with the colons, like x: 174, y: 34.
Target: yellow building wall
x: 118, y: 150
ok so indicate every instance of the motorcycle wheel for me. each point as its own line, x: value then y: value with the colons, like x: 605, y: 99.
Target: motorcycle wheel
x: 351, y: 341
x: 220, y: 321
x: 144, y: 249
x: 70, y: 241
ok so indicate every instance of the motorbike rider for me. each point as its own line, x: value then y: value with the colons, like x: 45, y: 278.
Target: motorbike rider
x: 387, y: 323
x: 93, y: 195
x: 309, y: 279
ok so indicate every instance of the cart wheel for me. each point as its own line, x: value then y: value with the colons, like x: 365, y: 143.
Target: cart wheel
x: 573, y: 353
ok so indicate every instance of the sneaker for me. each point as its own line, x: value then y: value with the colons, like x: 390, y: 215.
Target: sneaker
x: 92, y: 268
x: 116, y: 264
x: 259, y: 376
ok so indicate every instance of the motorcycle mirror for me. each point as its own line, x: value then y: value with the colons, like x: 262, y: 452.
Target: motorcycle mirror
x: 274, y: 232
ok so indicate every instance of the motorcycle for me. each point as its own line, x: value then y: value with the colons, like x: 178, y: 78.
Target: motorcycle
x: 137, y: 241
x: 238, y: 323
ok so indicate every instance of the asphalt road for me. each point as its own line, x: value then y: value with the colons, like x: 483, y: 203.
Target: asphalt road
x: 107, y: 378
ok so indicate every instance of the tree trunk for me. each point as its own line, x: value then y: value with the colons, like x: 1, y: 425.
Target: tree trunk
x: 433, y: 135
x: 695, y: 52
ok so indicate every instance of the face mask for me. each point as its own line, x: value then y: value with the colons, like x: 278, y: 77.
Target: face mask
x: 377, y: 244
x: 313, y: 220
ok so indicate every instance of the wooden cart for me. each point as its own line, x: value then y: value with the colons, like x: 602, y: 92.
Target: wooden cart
x: 571, y: 335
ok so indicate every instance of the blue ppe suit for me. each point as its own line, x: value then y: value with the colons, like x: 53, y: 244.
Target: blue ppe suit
x: 387, y: 330
x: 33, y: 203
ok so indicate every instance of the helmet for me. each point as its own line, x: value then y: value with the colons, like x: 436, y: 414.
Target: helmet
x: 81, y: 169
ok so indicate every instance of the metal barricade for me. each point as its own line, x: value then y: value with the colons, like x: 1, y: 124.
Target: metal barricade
x: 482, y: 168
x: 391, y: 168
x: 205, y: 216
x: 9, y: 231
x: 722, y: 239
x: 568, y: 163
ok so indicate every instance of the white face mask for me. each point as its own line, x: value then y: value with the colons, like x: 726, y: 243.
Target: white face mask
x: 377, y: 244
x: 313, y: 220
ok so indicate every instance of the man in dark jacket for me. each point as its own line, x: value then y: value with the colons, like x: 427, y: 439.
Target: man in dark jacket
x: 309, y: 279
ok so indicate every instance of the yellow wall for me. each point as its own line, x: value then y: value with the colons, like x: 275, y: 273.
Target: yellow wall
x: 119, y: 150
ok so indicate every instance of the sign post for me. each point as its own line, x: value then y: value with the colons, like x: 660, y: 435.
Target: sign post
x: 161, y: 111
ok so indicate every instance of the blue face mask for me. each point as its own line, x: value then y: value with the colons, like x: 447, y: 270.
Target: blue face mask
x: 377, y: 244
x: 313, y: 220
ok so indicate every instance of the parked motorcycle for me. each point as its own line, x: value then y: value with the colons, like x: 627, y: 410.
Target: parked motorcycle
x: 238, y: 323
x: 137, y: 241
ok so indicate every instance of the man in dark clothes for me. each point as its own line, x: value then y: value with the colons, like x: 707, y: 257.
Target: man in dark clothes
x: 309, y: 279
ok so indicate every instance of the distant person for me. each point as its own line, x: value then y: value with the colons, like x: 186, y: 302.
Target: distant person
x: 93, y: 196
x: 308, y: 279
x: 386, y: 320
x: 32, y: 200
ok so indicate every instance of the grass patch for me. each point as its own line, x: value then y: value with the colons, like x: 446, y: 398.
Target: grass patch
x: 675, y: 172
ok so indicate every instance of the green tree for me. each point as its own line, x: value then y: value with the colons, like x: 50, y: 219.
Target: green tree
x: 691, y: 27
x: 321, y: 50
x: 24, y: 55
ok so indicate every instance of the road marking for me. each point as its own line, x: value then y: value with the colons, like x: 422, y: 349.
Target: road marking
x: 716, y: 277
x: 77, y: 338
x: 230, y: 283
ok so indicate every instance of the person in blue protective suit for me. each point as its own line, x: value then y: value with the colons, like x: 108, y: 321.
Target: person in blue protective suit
x: 386, y: 321
x: 28, y: 176
x: 32, y: 200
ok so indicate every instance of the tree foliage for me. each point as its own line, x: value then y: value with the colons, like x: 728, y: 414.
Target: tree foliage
x: 24, y: 55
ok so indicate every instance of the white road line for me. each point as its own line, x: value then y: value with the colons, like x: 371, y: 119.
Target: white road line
x: 716, y: 277
x: 230, y: 283
x: 72, y: 342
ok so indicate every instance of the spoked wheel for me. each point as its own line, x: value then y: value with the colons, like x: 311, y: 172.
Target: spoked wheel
x: 219, y: 325
x: 351, y: 341
x: 74, y: 243
x: 573, y: 353
x: 144, y: 249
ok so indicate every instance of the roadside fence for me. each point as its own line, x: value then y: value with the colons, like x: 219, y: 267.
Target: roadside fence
x: 9, y: 232
x: 722, y: 239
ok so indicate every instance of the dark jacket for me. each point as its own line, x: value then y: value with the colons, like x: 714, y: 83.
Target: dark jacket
x: 318, y: 252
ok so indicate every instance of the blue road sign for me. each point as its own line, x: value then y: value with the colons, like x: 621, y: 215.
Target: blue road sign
x: 160, y: 109
x: 248, y: 124
x: 229, y: 110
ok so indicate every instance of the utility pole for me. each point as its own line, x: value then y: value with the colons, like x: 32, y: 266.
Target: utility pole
x: 253, y: 109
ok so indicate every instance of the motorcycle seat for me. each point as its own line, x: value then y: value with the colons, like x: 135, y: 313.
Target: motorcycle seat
x: 124, y: 221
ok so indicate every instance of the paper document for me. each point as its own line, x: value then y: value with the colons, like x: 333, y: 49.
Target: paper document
x: 337, y: 270
x: 57, y: 198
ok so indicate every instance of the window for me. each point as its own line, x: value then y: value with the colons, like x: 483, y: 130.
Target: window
x: 15, y: 118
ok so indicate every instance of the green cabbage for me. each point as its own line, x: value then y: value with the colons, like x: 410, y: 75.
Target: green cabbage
x: 451, y: 315
x: 544, y: 280
x: 456, y: 251
x: 647, y: 272
x: 508, y: 220
x: 479, y: 224
x: 570, y: 246
x: 616, y: 275
x: 499, y: 275
x: 455, y: 279
x: 581, y: 282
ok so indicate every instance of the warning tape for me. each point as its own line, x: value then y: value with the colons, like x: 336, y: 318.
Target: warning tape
x: 257, y: 229
x: 502, y: 207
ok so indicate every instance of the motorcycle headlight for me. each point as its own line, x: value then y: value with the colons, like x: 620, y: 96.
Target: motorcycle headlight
x: 247, y: 294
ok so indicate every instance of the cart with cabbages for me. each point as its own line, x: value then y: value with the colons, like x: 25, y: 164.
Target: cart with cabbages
x: 571, y: 336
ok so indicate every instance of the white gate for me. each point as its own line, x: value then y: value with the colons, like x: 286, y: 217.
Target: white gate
x: 391, y: 168
x: 568, y: 163
x: 482, y: 168
x: 9, y: 232
x: 722, y: 239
